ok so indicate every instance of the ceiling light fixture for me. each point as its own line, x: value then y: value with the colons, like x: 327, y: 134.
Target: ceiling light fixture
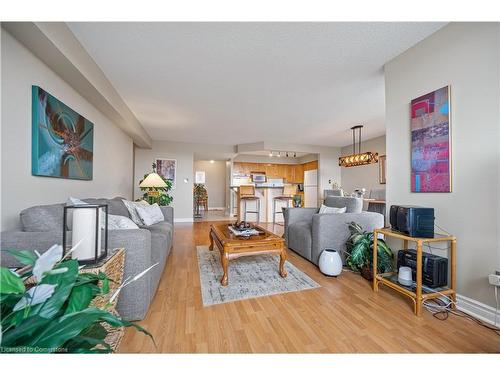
x: 212, y: 161
x: 279, y: 154
x: 358, y: 158
x: 270, y: 154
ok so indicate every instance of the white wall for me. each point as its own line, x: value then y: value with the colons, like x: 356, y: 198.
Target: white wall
x: 113, y: 150
x: 329, y: 170
x: 363, y: 176
x: 465, y: 56
x: 215, y: 181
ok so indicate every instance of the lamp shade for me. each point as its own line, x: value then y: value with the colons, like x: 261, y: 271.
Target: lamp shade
x: 153, y: 180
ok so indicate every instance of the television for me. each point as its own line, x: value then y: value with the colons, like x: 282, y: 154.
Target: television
x: 414, y: 221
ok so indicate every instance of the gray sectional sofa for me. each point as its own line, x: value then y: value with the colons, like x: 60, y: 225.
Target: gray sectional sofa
x: 308, y: 233
x: 41, y: 227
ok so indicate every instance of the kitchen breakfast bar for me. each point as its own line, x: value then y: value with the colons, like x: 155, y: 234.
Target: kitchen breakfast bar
x: 266, y: 200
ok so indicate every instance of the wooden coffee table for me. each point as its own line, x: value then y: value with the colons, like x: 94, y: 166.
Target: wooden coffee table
x: 232, y: 247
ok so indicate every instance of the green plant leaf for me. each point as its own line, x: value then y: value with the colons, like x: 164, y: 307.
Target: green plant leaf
x: 86, y: 344
x: 50, y: 308
x: 65, y: 282
x: 80, y: 298
x: 105, y: 286
x: 88, y: 339
x: 85, y: 278
x: 67, y: 327
x: 21, y: 335
x: 118, y: 322
x: 10, y: 283
x: 26, y: 257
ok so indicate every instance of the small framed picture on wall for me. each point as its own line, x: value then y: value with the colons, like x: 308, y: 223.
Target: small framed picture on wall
x: 381, y: 169
x: 199, y: 177
x: 167, y: 168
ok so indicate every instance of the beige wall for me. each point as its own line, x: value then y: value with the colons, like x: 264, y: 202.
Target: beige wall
x: 185, y: 154
x: 112, y: 174
x: 465, y: 56
x: 364, y: 176
x: 183, y: 192
x: 215, y: 181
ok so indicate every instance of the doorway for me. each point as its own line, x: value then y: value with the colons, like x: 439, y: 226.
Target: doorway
x: 209, y: 190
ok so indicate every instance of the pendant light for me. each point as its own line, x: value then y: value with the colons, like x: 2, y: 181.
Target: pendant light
x: 358, y: 158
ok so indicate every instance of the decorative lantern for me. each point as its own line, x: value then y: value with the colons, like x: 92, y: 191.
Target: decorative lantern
x: 87, y: 223
x: 357, y: 157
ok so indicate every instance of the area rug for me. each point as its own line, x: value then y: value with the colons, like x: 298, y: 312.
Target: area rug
x: 249, y: 277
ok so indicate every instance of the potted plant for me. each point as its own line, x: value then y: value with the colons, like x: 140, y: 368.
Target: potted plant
x: 360, y: 252
x: 297, y: 200
x: 46, y: 307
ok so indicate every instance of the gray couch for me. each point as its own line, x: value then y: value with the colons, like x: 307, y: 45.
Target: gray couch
x: 42, y: 228
x: 308, y: 233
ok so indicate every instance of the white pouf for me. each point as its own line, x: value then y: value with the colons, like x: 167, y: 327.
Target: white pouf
x: 330, y: 262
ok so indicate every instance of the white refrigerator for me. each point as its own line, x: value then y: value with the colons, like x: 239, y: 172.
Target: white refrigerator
x: 311, y: 188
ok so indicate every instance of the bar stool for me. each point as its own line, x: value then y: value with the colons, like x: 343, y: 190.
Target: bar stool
x: 288, y: 193
x: 247, y: 193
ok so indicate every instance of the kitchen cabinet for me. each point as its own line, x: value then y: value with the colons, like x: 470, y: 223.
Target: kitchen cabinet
x: 291, y: 173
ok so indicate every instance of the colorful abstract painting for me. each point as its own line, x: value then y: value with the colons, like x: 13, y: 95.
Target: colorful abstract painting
x: 62, y: 140
x: 431, y: 142
x: 166, y: 168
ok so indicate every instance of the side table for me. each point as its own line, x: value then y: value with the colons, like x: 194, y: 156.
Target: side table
x: 417, y: 296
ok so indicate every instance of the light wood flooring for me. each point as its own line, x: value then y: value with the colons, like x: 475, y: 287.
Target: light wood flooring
x: 343, y: 316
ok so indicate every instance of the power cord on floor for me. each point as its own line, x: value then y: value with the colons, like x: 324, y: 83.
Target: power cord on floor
x: 441, y: 310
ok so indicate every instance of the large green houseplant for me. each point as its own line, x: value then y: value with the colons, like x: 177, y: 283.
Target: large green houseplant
x: 52, y: 312
x: 360, y: 252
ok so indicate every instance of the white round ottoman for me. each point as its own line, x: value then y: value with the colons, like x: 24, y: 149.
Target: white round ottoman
x: 330, y: 262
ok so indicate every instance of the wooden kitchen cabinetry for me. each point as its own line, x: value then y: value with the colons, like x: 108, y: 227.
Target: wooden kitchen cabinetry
x: 293, y: 173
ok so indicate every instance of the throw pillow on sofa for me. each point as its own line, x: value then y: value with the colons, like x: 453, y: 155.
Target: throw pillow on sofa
x: 75, y: 202
x: 132, y: 209
x: 331, y: 210
x: 150, y: 214
x: 120, y: 222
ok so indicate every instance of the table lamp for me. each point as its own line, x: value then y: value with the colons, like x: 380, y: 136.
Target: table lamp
x: 153, y: 181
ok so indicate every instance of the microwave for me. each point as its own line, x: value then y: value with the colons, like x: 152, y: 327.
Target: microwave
x: 258, y: 177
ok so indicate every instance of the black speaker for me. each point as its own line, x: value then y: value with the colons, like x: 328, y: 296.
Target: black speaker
x: 393, y: 217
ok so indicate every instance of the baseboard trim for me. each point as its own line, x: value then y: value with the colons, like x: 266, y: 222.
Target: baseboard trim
x: 477, y: 309
x: 184, y: 220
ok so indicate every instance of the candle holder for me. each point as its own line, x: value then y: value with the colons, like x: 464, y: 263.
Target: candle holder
x: 86, y: 226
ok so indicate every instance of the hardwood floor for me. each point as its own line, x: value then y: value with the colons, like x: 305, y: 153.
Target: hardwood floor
x: 343, y: 316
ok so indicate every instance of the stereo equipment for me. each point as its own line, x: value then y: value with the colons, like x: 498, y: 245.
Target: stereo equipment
x: 434, y: 267
x: 412, y: 220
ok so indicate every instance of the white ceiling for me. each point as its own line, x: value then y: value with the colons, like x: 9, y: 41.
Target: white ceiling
x: 232, y: 83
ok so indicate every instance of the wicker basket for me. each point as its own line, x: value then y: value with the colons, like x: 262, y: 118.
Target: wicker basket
x: 113, y: 267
